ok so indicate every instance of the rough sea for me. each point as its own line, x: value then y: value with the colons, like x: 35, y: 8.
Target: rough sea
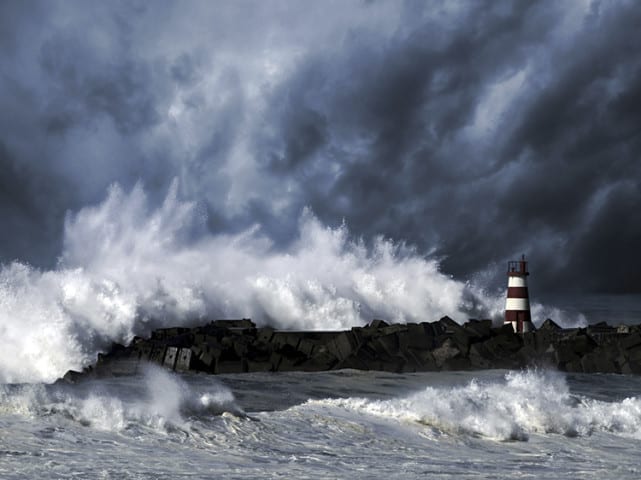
x: 345, y: 424
x: 126, y: 269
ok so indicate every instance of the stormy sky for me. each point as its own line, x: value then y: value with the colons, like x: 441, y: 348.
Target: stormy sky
x: 474, y: 131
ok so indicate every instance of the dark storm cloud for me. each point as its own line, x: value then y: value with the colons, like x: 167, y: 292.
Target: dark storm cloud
x: 476, y: 131
x: 398, y: 114
x: 395, y: 109
x: 120, y: 91
x: 580, y: 135
x: 74, y: 99
x: 23, y: 207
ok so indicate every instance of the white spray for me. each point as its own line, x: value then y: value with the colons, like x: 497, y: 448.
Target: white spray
x: 525, y: 403
x: 127, y: 268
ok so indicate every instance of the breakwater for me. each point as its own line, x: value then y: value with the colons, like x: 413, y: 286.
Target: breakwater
x: 236, y: 346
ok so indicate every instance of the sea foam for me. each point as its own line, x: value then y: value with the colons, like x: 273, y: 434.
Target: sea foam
x: 523, y: 404
x: 161, y: 400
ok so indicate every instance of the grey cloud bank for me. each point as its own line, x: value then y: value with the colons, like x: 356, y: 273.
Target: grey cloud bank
x: 475, y: 131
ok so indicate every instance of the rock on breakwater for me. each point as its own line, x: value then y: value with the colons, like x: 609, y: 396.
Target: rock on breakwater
x: 236, y: 346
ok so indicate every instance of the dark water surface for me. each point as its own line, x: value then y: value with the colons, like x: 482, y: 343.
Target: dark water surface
x: 346, y: 424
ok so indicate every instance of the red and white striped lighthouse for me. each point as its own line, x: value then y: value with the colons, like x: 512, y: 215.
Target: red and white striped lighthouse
x: 517, y: 306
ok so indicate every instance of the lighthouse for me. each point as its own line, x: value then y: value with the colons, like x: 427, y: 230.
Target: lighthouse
x: 517, y: 306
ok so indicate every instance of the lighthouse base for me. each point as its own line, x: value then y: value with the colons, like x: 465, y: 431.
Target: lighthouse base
x: 521, y: 326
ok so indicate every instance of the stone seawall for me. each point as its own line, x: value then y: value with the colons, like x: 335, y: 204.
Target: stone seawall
x: 236, y: 346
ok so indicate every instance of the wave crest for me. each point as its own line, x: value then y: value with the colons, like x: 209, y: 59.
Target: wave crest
x: 159, y: 400
x: 523, y: 404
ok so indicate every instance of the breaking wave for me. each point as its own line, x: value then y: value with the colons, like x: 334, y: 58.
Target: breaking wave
x: 161, y: 401
x: 524, y: 403
x: 127, y: 268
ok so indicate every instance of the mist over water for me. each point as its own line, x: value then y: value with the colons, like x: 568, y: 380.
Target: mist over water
x: 127, y: 268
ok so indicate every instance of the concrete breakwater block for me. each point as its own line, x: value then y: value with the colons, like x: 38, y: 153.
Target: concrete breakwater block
x: 236, y: 346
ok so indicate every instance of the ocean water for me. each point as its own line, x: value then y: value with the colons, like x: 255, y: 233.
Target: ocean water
x: 345, y: 424
x: 128, y: 267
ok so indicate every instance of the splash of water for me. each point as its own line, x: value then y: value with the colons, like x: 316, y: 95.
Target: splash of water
x: 525, y: 403
x: 127, y: 268
x: 163, y: 402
